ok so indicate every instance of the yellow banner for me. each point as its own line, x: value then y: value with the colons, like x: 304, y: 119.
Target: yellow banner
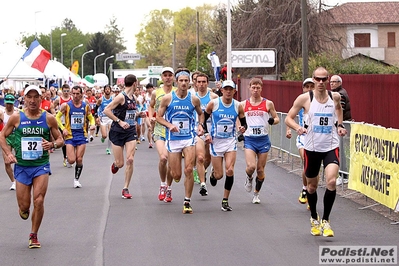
x: 374, y: 163
x: 75, y: 67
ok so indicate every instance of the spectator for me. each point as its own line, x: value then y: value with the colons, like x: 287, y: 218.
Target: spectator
x: 223, y: 72
x: 336, y: 86
x: 215, y: 64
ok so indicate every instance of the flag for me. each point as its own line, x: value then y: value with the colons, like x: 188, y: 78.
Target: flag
x: 36, y: 56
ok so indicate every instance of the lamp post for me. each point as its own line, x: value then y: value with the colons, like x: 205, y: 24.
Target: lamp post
x: 82, y: 60
x: 62, y: 54
x: 80, y: 45
x: 35, y: 22
x: 105, y: 63
x: 95, y: 58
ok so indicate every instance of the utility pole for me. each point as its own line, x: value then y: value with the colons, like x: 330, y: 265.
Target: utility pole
x: 305, y: 50
x: 198, y: 55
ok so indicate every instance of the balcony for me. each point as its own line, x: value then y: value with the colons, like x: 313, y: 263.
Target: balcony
x: 373, y: 52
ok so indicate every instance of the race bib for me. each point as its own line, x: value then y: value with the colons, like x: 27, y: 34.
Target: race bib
x: 256, y: 131
x: 31, y: 148
x: 183, y: 124
x: 130, y: 117
x: 322, y: 123
x: 224, y: 129
x: 77, y: 121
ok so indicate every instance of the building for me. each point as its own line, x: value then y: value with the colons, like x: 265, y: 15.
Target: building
x: 371, y: 29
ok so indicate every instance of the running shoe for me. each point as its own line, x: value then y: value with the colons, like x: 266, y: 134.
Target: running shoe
x: 187, y: 208
x: 102, y: 139
x: 12, y: 186
x: 33, y: 242
x: 162, y: 191
x: 315, y: 227
x: 168, y: 196
x: 96, y: 134
x: 24, y: 214
x: 326, y: 228
x: 114, y: 169
x: 126, y: 194
x: 138, y: 142
x: 213, y: 180
x: 225, y: 206
x: 91, y: 138
x: 76, y: 184
x: 142, y: 138
x: 248, y: 184
x: 65, y: 162
x: 255, y: 198
x: 150, y: 146
x: 203, y: 191
x: 68, y: 165
x: 108, y: 151
x: 303, y: 197
x: 196, y: 177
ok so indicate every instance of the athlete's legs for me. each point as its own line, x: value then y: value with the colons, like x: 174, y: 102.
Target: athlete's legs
x: 260, y: 170
x: 118, y: 155
x: 200, y: 158
x: 174, y: 160
x: 217, y: 164
x: 189, y: 161
x: 163, y: 161
x: 130, y: 151
x: 40, y: 185
x: 230, y: 159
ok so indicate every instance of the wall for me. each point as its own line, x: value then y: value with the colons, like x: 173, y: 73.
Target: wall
x: 374, y: 98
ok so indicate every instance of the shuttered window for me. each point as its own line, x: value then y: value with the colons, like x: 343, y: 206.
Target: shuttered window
x: 362, y: 39
x: 391, y: 39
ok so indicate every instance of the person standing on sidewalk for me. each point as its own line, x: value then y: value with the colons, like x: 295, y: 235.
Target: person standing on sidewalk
x: 177, y: 113
x: 336, y: 86
x: 259, y: 114
x: 123, y: 133
x: 322, y: 109
x: 224, y: 112
x: 33, y: 127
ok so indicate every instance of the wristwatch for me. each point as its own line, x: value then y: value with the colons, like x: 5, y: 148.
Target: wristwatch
x: 341, y: 125
x: 55, y: 145
x: 117, y: 120
x: 202, y: 124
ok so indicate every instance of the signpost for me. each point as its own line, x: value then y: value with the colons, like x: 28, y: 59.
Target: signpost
x: 127, y: 57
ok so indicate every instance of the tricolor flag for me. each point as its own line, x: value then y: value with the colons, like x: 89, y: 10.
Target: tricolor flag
x: 36, y: 56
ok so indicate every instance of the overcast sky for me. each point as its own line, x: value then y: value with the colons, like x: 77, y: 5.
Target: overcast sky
x: 90, y: 16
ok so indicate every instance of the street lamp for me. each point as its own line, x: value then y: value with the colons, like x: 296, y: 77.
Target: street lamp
x: 105, y: 63
x: 35, y: 23
x: 95, y: 58
x: 80, y: 45
x: 82, y: 60
x: 62, y: 55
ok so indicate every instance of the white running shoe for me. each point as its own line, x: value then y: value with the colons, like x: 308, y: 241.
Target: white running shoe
x: 12, y: 186
x: 142, y: 138
x: 255, y: 198
x: 248, y: 184
x: 68, y: 164
x: 76, y: 183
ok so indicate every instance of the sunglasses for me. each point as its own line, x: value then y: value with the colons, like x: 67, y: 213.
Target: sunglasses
x: 318, y: 79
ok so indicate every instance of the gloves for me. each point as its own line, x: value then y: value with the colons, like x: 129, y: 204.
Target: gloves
x: 270, y: 121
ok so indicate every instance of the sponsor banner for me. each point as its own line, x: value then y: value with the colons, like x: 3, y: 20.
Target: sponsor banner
x: 253, y: 58
x: 374, y: 165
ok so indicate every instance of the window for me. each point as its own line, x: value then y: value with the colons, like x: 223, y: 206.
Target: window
x: 362, y: 39
x: 391, y: 39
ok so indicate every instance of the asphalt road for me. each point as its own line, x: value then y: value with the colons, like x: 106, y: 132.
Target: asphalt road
x: 93, y: 225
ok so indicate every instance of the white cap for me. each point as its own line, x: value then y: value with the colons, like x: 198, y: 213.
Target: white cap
x: 308, y: 80
x: 32, y: 87
x: 168, y: 69
x: 228, y: 83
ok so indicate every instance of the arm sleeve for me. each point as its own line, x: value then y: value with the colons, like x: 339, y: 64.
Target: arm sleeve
x: 58, y: 118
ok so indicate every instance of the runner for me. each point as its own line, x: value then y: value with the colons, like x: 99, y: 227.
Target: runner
x: 76, y: 113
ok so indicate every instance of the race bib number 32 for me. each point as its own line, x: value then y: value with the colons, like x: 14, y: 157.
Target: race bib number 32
x: 31, y: 148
